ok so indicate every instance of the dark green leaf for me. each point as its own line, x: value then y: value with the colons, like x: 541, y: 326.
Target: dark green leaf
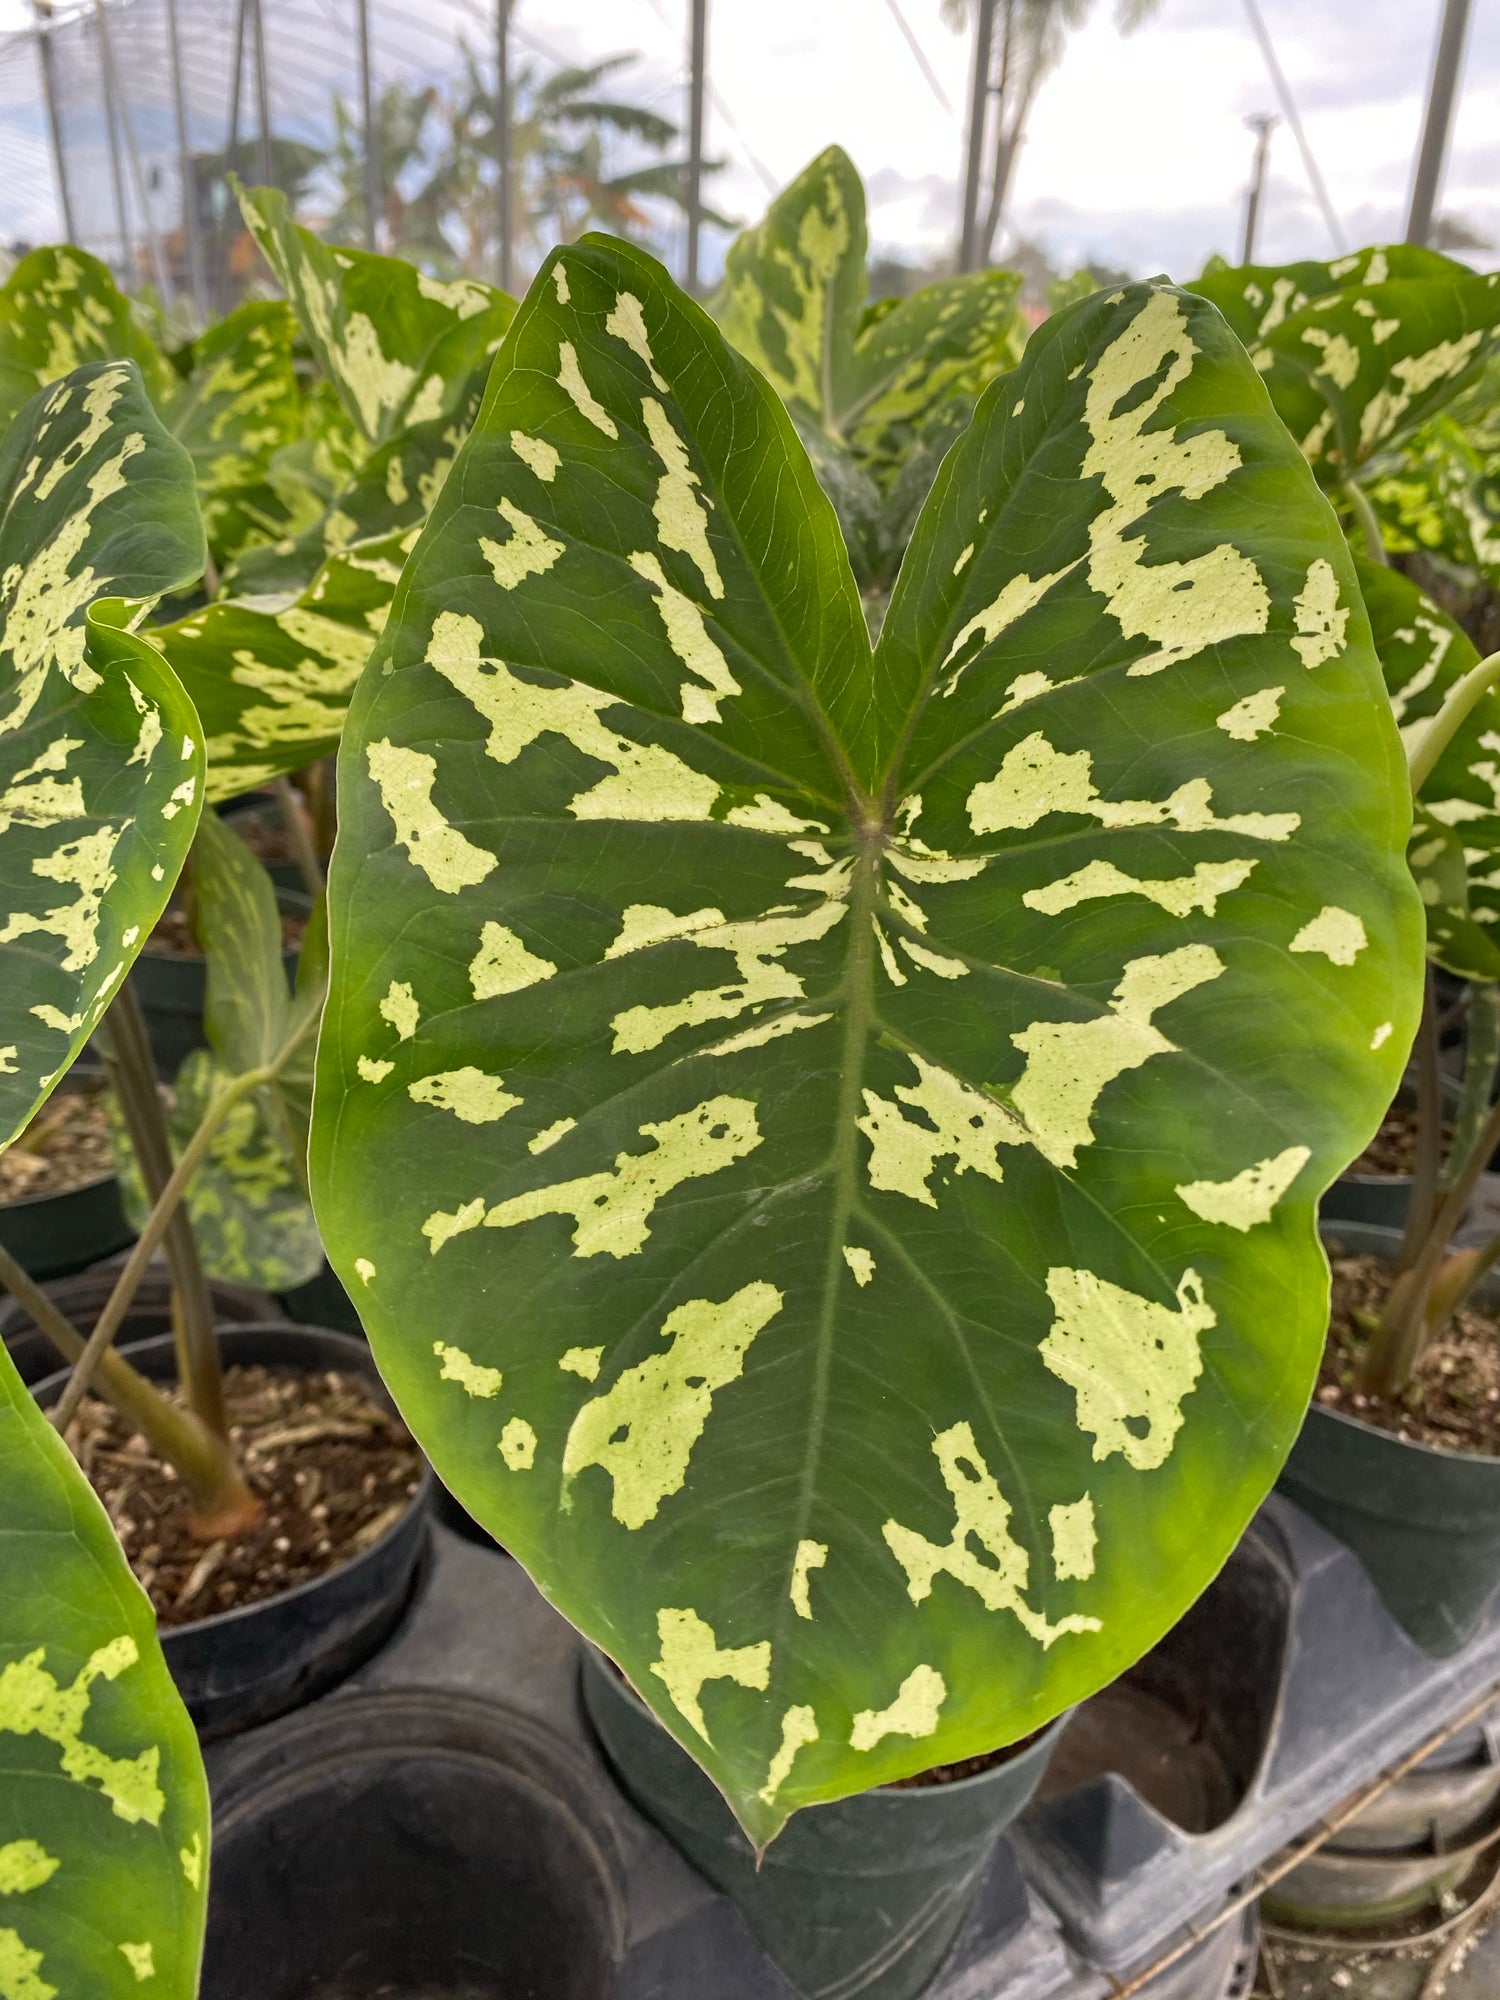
x: 827, y: 1146
x: 239, y: 927
x: 240, y: 402
x: 101, y: 755
x: 103, y: 1802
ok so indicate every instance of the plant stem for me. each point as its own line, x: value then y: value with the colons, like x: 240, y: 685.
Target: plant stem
x: 1429, y: 1136
x: 1481, y: 1061
x: 303, y: 850
x: 1460, y: 701
x: 1369, y: 524
x: 1396, y: 1345
x: 208, y: 1470
x: 118, y: 1303
x: 140, y: 1102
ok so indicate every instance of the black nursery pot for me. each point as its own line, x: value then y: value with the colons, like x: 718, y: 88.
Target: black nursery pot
x: 81, y: 1298
x: 52, y: 1235
x: 1424, y: 1522
x: 172, y: 986
x: 415, y: 1844
x: 243, y: 1667
x: 860, y: 1899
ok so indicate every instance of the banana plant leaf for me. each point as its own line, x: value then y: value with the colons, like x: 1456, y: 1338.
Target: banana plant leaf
x: 60, y: 309
x: 103, y: 1801
x: 101, y: 754
x: 398, y: 347
x: 793, y: 301
x: 1357, y: 369
x: 1455, y: 842
x: 826, y: 1145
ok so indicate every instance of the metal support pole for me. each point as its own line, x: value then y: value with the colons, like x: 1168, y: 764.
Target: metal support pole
x: 697, y: 76
x: 979, y: 98
x: 223, y: 249
x: 116, y: 177
x: 369, y: 128
x: 1438, y: 124
x: 262, y: 95
x: 503, y: 190
x: 121, y: 101
x: 43, y: 12
x: 1261, y: 126
x: 190, y: 219
x: 1293, y: 118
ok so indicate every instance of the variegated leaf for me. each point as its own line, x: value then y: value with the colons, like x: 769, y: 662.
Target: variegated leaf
x: 399, y: 347
x: 1455, y: 843
x: 101, y: 756
x: 793, y: 298
x: 827, y: 1146
x: 1355, y: 370
x: 60, y: 309
x: 1256, y: 299
x: 271, y: 680
x: 103, y: 1802
x: 239, y: 400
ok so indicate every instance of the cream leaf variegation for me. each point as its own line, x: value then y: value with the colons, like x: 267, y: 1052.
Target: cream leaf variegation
x: 861, y: 1111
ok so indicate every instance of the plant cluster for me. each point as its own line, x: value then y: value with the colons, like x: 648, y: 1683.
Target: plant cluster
x: 871, y: 901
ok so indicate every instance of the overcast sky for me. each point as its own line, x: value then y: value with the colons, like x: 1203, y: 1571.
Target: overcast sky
x: 1138, y: 153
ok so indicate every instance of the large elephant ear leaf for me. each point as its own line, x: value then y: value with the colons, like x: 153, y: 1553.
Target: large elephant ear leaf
x: 398, y: 346
x: 101, y: 755
x: 60, y: 309
x: 103, y: 1802
x: 1455, y: 842
x: 948, y: 340
x: 794, y: 288
x: 890, y: 1096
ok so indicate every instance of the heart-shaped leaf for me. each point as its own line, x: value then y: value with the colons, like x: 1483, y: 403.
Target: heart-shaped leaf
x: 399, y: 347
x: 1356, y: 369
x: 827, y: 1146
x: 793, y: 300
x: 60, y: 309
x: 101, y: 755
x: 103, y: 1802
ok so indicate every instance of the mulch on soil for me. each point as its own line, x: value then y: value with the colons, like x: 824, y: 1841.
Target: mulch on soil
x: 1393, y: 1150
x: 1454, y: 1398
x: 332, y: 1468
x: 65, y: 1146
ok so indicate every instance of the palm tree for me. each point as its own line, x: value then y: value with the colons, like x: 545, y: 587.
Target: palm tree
x: 1027, y: 38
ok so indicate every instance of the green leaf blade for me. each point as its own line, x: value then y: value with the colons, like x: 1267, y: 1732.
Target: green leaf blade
x: 101, y: 754
x: 103, y: 1802
x: 674, y: 1137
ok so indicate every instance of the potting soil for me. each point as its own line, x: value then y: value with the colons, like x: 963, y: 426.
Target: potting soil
x: 1454, y: 1398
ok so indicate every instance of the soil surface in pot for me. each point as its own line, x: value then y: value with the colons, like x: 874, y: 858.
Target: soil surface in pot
x: 1393, y: 1150
x: 1454, y: 1397
x: 173, y: 936
x: 966, y: 1767
x: 332, y: 1468
x: 65, y: 1146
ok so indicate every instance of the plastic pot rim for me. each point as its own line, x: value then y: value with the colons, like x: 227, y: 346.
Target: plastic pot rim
x: 26, y: 1202
x: 901, y: 1790
x: 1437, y: 1451
x: 420, y: 1499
